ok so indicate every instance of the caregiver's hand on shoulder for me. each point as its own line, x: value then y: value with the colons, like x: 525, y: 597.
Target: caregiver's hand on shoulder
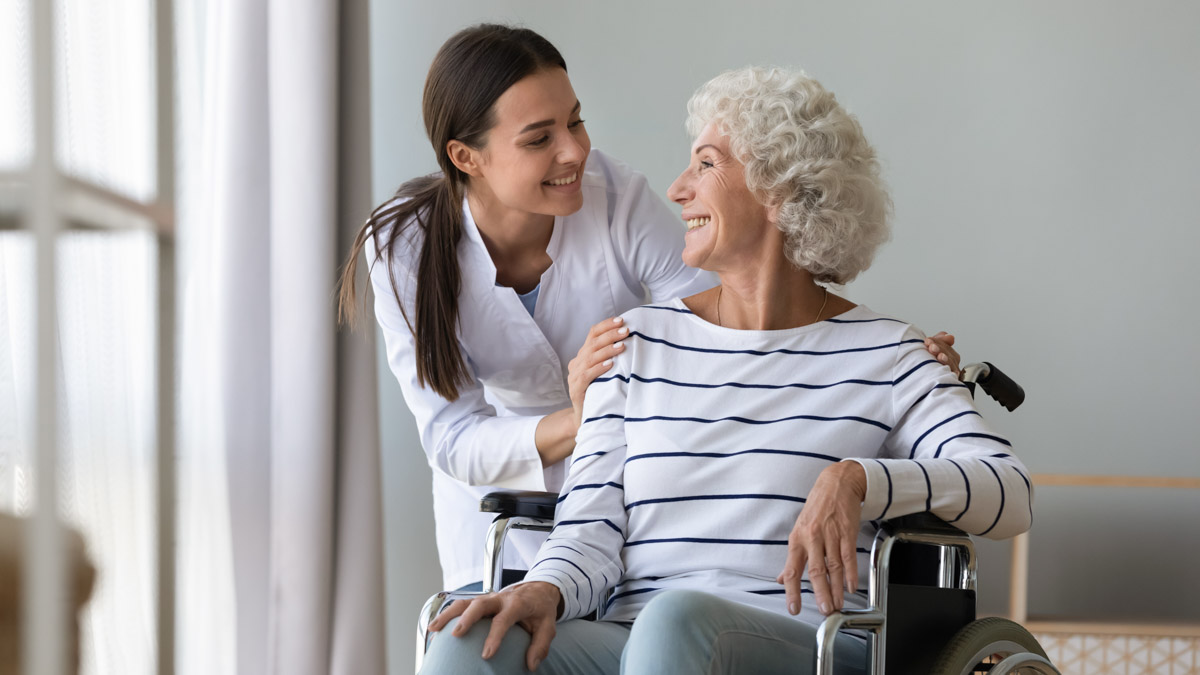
x: 533, y: 606
x: 825, y: 538
x: 942, y: 348
x: 595, y: 357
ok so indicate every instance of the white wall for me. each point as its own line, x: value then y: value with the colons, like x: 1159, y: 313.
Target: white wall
x: 1044, y: 160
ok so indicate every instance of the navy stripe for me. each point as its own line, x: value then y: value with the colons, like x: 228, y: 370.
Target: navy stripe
x: 745, y: 420
x: 970, y: 435
x: 755, y: 352
x: 610, y: 416
x: 1029, y: 491
x: 585, y: 576
x: 887, y: 506
x: 588, y: 486
x: 741, y: 385
x: 928, y: 486
x: 779, y: 591
x: 606, y: 521
x: 913, y: 370
x: 702, y: 540
x: 663, y: 500
x: 968, y: 482
x: 1001, y: 511
x: 583, y: 457
x: 913, y: 453
x: 569, y: 548
x: 862, y: 320
x: 959, y: 385
x: 591, y: 589
x: 617, y: 596
x: 761, y: 451
x: 669, y: 309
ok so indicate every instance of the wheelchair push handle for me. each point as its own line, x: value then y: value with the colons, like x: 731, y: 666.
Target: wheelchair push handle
x: 997, y: 385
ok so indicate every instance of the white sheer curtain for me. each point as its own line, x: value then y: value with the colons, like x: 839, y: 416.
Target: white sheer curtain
x: 280, y: 524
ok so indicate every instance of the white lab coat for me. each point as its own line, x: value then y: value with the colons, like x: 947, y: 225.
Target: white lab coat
x: 622, y: 239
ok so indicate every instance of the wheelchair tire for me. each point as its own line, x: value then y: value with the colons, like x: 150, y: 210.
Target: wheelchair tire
x: 981, y: 644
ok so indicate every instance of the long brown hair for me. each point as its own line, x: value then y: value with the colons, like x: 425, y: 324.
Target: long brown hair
x: 471, y: 70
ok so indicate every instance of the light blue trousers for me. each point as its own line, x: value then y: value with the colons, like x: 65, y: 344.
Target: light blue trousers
x: 685, y: 632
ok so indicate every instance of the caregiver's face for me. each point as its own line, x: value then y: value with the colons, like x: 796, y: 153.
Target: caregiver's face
x: 535, y: 154
x: 725, y: 221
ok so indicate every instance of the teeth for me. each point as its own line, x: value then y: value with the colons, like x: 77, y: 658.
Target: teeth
x: 563, y: 181
x: 697, y: 222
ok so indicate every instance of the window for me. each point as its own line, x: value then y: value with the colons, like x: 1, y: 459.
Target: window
x: 107, y: 207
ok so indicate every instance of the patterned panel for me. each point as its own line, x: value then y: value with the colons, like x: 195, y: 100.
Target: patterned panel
x: 1075, y: 654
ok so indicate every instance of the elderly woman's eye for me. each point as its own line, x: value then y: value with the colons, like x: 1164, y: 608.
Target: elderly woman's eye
x: 705, y: 165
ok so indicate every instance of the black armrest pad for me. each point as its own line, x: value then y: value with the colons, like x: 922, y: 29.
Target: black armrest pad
x: 920, y: 521
x: 528, y: 504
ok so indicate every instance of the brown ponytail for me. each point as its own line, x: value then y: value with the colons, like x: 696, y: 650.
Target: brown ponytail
x: 471, y: 70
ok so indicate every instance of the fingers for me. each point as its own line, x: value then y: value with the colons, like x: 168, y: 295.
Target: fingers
x: 475, y: 610
x: 455, y: 608
x: 607, y: 345
x: 792, y: 572
x: 541, y: 634
x: 940, y: 347
x: 500, y: 624
x: 850, y: 565
x: 818, y: 577
x: 595, y: 356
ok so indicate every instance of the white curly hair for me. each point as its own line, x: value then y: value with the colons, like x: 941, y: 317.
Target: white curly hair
x: 806, y: 157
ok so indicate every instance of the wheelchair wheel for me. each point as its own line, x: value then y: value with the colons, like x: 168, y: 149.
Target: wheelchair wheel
x: 996, y: 646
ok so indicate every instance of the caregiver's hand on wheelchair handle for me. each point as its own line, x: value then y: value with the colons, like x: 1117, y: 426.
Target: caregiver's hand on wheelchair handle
x: 534, y: 606
x: 604, y: 341
x: 825, y: 538
x: 942, y: 348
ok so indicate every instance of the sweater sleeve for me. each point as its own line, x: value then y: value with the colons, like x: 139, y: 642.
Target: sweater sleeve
x: 465, y: 438
x: 942, y: 457
x: 582, y: 555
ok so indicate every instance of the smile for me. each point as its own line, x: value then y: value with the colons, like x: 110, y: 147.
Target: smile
x: 693, y: 223
x: 563, y: 181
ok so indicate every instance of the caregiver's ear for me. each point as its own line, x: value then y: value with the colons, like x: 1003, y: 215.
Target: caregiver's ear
x: 466, y: 158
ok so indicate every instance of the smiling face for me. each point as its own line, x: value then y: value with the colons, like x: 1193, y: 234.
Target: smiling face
x: 728, y: 228
x: 534, y: 156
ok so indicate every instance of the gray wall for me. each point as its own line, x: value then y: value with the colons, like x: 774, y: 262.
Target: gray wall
x: 1043, y: 159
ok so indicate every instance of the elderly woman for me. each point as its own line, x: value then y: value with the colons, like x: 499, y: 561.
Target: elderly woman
x: 732, y: 468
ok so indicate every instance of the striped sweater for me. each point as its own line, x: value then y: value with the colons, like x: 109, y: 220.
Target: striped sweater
x: 698, y: 448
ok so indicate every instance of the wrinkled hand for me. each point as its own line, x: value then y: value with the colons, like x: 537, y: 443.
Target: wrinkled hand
x: 594, y: 358
x: 533, y: 606
x: 825, y: 538
x: 942, y: 348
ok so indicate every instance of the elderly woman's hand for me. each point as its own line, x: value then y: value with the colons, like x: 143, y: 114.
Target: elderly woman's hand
x: 533, y: 606
x: 942, y: 348
x: 595, y: 357
x: 825, y: 538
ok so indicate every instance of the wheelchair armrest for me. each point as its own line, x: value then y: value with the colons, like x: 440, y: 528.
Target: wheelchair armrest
x: 528, y: 504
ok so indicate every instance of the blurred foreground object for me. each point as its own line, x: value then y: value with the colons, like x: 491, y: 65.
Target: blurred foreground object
x: 81, y: 577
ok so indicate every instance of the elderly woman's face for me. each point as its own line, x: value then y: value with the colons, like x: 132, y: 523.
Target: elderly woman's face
x: 726, y: 223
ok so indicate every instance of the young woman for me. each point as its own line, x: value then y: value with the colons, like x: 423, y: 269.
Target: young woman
x: 496, y: 280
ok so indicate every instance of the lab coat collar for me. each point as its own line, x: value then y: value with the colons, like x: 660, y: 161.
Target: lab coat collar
x: 482, y: 260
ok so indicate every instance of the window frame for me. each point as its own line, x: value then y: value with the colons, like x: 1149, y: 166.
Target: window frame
x: 48, y: 202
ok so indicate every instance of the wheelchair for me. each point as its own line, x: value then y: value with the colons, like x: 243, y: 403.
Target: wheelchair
x: 921, y: 594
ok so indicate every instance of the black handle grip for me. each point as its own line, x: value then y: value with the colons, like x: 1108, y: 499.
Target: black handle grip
x: 529, y: 504
x: 1002, y: 388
